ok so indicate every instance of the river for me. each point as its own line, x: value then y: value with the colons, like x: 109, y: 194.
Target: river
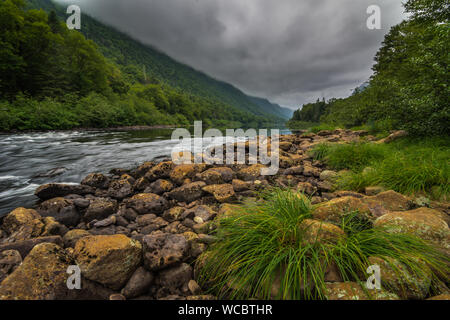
x: 26, y: 159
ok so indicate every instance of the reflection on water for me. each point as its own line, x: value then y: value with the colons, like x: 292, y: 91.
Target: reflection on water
x: 24, y: 158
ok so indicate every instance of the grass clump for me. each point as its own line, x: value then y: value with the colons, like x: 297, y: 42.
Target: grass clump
x: 407, y: 166
x: 262, y: 253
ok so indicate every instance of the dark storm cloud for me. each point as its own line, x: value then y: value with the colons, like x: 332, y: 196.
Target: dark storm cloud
x: 290, y: 51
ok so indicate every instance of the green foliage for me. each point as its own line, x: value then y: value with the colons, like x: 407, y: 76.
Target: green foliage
x: 409, y: 89
x: 42, y: 61
x: 408, y: 166
x: 310, y: 112
x: 260, y: 247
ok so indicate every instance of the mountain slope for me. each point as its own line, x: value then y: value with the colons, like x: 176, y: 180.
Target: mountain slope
x: 159, y: 67
x: 272, y: 108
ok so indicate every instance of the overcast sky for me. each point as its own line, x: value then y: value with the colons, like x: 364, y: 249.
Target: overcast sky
x: 289, y: 51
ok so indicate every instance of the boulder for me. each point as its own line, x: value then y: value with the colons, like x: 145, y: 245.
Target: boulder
x: 424, y: 223
x: 384, y: 202
x: 99, y: 209
x: 188, y: 192
x: 63, y: 210
x: 139, y: 283
x: 373, y: 191
x: 143, y: 169
x: 185, y: 171
x: 22, y: 224
x: 71, y: 237
x: 160, y: 171
x: 397, y: 278
x: 221, y: 192
x: 9, y: 261
x: 240, y: 186
x: 159, y: 187
x: 217, y: 175
x: 173, y: 214
x: 307, y: 188
x: 294, y: 171
x: 314, y: 231
x: 163, y: 250
x: 53, y: 227
x: 109, y: 260
x: 354, y: 291
x: 328, y: 175
x: 334, y: 210
x: 96, y: 180
x: 147, y: 203
x: 54, y: 190
x: 250, y: 173
x: 41, y: 276
x: 175, y: 277
x: 120, y: 189
x: 25, y: 246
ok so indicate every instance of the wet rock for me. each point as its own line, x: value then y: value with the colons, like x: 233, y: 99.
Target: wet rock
x: 164, y: 250
x: 96, y: 180
x: 9, y: 261
x: 25, y: 246
x: 160, y: 171
x: 397, y: 278
x: 120, y: 189
x: 71, y: 237
x: 147, y: 203
x: 139, y: 283
x: 219, y: 175
x: 100, y: 209
x: 54, y: 190
x: 314, y: 231
x: 117, y: 297
x: 109, y: 260
x: 353, y: 291
x: 310, y: 171
x: 41, y: 276
x: 194, y: 288
x: 188, y: 192
x: 185, y: 171
x: 63, y: 210
x: 159, y: 187
x: 424, y: 223
x: 325, y: 186
x: 221, y: 192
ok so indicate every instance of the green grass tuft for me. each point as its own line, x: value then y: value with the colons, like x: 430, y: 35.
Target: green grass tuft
x: 261, y: 244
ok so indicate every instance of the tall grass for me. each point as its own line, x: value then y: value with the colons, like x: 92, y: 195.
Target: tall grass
x: 262, y: 253
x: 406, y: 166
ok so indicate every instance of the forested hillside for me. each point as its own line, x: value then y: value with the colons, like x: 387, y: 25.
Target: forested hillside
x: 55, y: 78
x: 410, y: 85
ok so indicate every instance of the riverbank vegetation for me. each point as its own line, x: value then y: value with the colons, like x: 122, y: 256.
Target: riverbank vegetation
x: 409, y: 166
x: 271, y: 250
x: 55, y: 78
x: 409, y: 88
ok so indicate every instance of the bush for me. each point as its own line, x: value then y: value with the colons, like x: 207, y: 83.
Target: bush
x: 261, y: 244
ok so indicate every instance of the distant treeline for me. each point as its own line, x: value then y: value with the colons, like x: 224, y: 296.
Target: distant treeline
x: 410, y: 85
x: 54, y: 78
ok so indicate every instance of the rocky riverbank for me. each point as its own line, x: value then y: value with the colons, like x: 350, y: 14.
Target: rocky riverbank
x: 136, y: 234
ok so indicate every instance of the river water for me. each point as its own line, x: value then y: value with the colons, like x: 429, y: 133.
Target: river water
x: 27, y: 158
